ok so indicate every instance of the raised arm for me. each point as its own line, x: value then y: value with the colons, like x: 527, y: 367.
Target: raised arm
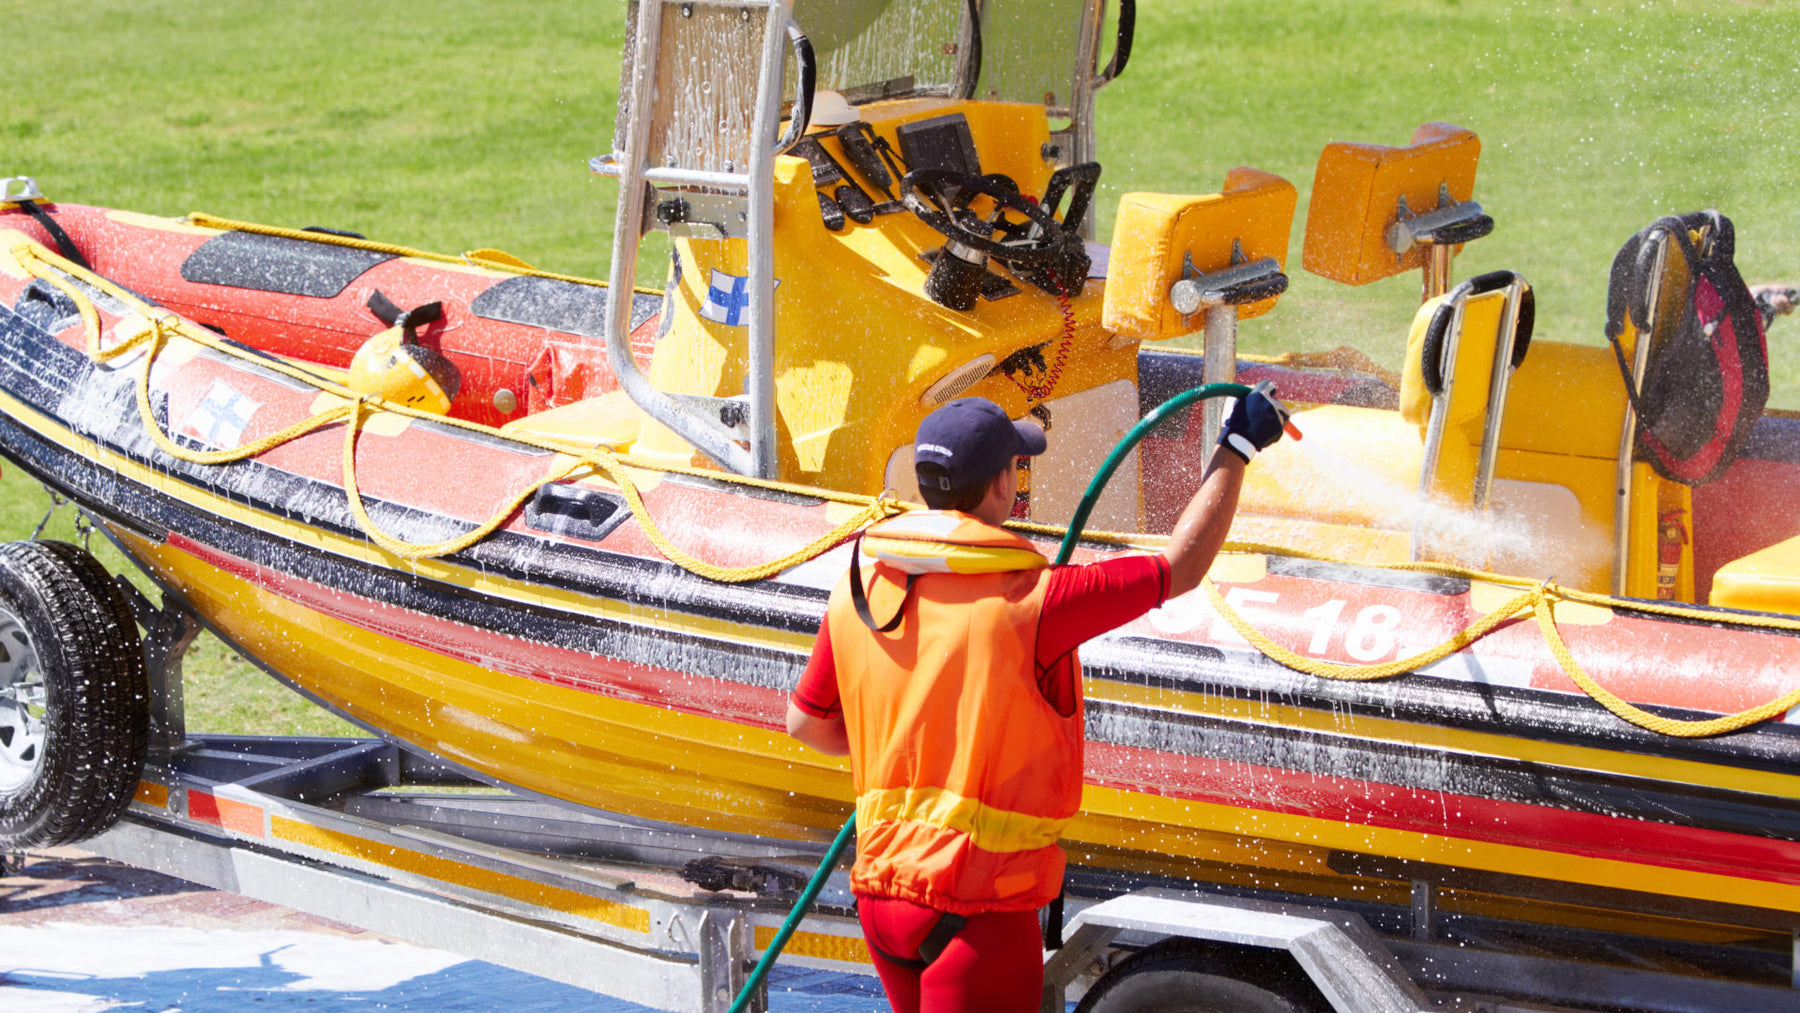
x: 1256, y: 421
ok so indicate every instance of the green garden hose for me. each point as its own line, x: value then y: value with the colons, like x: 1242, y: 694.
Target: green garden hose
x: 1124, y: 447
x: 1076, y: 523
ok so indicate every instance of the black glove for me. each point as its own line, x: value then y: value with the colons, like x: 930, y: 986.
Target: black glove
x: 1255, y: 423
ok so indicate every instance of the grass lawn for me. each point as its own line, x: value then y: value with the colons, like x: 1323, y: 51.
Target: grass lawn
x: 460, y: 124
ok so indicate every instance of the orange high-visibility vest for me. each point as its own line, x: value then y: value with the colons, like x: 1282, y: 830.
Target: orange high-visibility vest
x: 965, y: 775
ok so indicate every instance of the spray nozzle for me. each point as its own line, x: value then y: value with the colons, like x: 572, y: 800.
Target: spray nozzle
x: 1267, y: 389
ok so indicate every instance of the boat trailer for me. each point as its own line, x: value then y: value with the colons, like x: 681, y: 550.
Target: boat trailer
x: 368, y: 833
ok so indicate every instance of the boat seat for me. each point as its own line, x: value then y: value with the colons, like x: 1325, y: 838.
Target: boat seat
x: 1450, y: 381
x: 1767, y: 580
x: 609, y: 420
x: 1348, y: 488
x: 1159, y: 237
x: 1358, y: 187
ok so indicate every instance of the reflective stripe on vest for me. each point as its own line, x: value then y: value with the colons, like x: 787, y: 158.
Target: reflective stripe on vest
x: 988, y: 828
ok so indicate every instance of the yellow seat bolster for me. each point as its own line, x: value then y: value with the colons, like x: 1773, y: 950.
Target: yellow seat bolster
x: 1415, y: 400
x: 1767, y: 580
x: 1154, y: 232
x: 1566, y: 399
x: 609, y: 420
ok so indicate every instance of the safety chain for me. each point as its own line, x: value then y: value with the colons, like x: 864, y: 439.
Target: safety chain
x: 159, y: 326
x: 57, y: 502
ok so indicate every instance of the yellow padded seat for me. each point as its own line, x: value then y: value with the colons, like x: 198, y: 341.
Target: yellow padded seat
x: 1357, y: 190
x: 1767, y: 580
x: 1467, y: 412
x: 610, y: 420
x: 1155, y: 232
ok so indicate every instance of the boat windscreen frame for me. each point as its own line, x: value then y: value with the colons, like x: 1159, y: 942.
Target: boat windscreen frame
x: 739, y: 433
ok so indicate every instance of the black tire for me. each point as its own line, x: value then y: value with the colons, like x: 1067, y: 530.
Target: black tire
x: 1187, y: 976
x: 74, y: 702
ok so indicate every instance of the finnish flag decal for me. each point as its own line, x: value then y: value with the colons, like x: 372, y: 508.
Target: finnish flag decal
x: 727, y: 298
x: 221, y: 416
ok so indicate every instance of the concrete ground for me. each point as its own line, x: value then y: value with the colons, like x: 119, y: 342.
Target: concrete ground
x: 82, y: 934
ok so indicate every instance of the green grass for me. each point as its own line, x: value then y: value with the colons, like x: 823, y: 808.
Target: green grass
x: 467, y: 123
x: 1594, y: 119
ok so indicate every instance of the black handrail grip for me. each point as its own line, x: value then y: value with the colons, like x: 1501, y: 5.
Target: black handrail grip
x: 1122, y: 47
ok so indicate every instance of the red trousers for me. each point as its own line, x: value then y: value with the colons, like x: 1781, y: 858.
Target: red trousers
x: 994, y: 965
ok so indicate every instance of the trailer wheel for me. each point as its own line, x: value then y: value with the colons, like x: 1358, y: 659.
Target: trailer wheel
x: 74, y: 703
x: 1188, y: 976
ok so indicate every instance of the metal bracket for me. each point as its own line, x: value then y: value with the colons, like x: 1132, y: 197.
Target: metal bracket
x: 1437, y: 225
x: 1424, y: 909
x: 732, y: 414
x: 1217, y: 294
x: 1341, y: 955
x: 700, y: 215
x: 1438, y: 230
x: 725, y: 962
x: 168, y: 633
x: 19, y: 189
x: 1244, y: 281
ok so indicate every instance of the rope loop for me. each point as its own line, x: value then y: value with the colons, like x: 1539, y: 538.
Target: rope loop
x: 163, y: 325
x: 1540, y: 602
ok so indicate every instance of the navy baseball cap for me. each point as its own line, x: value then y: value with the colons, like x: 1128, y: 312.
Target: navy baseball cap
x: 972, y: 440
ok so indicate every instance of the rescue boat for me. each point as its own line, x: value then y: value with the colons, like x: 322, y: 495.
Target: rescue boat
x: 575, y: 538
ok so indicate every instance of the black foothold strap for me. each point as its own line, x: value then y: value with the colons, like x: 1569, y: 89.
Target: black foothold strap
x: 1053, y: 922
x: 383, y: 307
x: 64, y: 245
x: 408, y: 320
x: 860, y: 597
x: 935, y: 941
x: 931, y: 947
x: 831, y: 213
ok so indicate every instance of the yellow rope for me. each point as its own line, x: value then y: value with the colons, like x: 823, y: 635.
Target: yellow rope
x: 415, y: 550
x: 1539, y: 600
x: 1366, y: 673
x: 43, y: 264
x: 1643, y: 718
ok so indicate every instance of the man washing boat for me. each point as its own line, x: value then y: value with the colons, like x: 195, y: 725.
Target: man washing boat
x: 949, y: 676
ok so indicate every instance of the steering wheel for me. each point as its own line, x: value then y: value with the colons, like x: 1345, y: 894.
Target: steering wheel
x: 941, y: 199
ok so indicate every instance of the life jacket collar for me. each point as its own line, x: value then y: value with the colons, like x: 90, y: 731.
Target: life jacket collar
x: 948, y: 541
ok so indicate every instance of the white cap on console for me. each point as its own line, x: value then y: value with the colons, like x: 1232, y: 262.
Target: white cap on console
x: 830, y: 110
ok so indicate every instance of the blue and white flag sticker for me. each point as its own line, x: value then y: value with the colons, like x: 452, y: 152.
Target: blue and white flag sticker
x: 221, y: 416
x: 727, y: 298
